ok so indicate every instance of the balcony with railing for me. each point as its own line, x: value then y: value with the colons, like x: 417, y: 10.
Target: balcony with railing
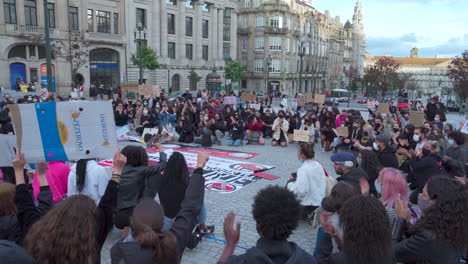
x: 275, y: 30
x: 243, y: 31
x: 29, y: 30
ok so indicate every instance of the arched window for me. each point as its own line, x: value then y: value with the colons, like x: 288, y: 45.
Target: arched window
x: 308, y: 27
x: 17, y: 52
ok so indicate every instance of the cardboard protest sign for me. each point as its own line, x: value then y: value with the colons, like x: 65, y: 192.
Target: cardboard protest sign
x: 370, y: 104
x: 319, y: 98
x: 7, y: 152
x: 230, y: 100
x: 301, y: 135
x: 384, y: 108
x: 255, y: 106
x: 129, y: 86
x: 301, y: 100
x: 249, y: 97
x: 416, y: 118
x: 64, y: 131
x: 343, y: 131
x: 309, y: 97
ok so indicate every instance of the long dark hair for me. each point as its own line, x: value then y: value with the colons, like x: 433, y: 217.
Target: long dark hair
x: 366, y: 228
x: 147, y: 223
x: 66, y: 234
x: 176, y: 170
x: 136, y: 155
x: 81, y: 174
x: 370, y: 160
x: 447, y: 217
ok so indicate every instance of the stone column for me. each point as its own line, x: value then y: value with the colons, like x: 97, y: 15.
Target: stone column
x: 163, y: 28
x: 219, y: 46
x: 2, y: 18
x: 213, y: 35
x: 197, y: 34
x: 20, y: 18
x: 180, y: 31
x: 156, y: 32
x: 40, y: 14
x: 234, y: 40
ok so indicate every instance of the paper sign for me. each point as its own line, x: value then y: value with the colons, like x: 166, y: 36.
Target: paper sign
x: 7, y: 152
x: 301, y: 135
x: 465, y: 128
x: 416, y: 118
x: 370, y: 104
x: 230, y: 100
x: 301, y: 100
x: 319, y: 98
x: 293, y: 103
x: 151, y: 131
x: 309, y: 97
x: 335, y: 131
x: 255, y: 106
x: 343, y: 132
x: 249, y: 97
x: 65, y: 131
x: 384, y: 108
x: 129, y: 86
x: 403, y: 105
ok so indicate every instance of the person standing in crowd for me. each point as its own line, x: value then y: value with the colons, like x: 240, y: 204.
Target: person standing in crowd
x: 309, y: 183
x: 440, y: 236
x: 345, y: 166
x: 385, y: 152
x: 280, y: 128
x: 87, y: 177
x: 43, y: 92
x: 276, y: 212
x: 57, y: 177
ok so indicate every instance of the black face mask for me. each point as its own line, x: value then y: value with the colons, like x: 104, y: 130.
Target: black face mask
x: 377, y: 125
x: 396, y: 130
x: 365, y: 133
x: 281, y: 116
x: 426, y: 152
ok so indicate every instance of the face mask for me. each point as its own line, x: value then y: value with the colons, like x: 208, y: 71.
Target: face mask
x: 205, y: 118
x: 145, y: 112
x: 406, y: 118
x: 376, y: 146
x: 377, y: 125
x: 343, y: 116
x: 29, y: 99
x: 281, y: 116
x: 365, y: 133
x: 423, y: 204
x: 378, y: 187
x: 145, y: 104
x: 437, y: 119
x: 426, y: 152
x: 157, y: 106
x: 395, y: 130
x: 416, y: 138
x: 451, y: 142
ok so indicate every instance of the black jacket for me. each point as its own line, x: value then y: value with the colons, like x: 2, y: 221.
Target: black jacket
x: 273, y: 252
x: 387, y: 158
x: 185, y: 221
x: 353, y: 176
x: 10, y: 229
x: 237, y: 131
x: 137, y: 182
x: 11, y: 253
x: 325, y: 255
x: 423, y: 247
x: 422, y: 169
x: 120, y: 119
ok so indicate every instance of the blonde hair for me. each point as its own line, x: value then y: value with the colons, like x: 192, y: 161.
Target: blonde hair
x: 435, y: 146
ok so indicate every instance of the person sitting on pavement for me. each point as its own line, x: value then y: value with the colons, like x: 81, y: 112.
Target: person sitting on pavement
x: 385, y: 152
x: 254, y: 134
x: 268, y: 120
x: 456, y: 156
x: 277, y: 212
x: 345, y: 166
x: 237, y: 131
x: 280, y: 128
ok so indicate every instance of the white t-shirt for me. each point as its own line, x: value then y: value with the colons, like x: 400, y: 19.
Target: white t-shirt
x: 96, y: 180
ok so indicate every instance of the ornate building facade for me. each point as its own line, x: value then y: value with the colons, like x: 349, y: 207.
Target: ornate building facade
x: 87, y: 37
x: 276, y: 35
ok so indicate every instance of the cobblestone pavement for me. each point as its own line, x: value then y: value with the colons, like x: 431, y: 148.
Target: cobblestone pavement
x: 218, y: 205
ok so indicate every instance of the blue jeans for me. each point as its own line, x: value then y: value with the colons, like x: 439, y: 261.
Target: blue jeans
x: 319, y: 238
x: 201, y: 219
x: 234, y: 142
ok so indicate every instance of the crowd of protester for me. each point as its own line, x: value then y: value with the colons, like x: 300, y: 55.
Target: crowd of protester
x: 400, y: 195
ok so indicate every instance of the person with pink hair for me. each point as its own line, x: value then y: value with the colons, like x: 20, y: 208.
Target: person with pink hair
x: 392, y: 186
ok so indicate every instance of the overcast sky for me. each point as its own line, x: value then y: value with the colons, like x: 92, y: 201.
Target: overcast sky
x: 395, y: 26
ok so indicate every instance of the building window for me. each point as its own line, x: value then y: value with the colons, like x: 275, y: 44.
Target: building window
x: 286, y: 66
x: 259, y: 43
x: 9, y: 7
x: 170, y: 23
x: 171, y: 50
x: 245, y: 62
x: 116, y: 23
x: 205, y: 52
x: 30, y: 12
x: 171, y: 2
x: 276, y: 22
x: 275, y: 65
x: 188, y: 26
x: 90, y: 20
x: 103, y: 21
x: 189, y: 4
x: 247, y: 3
x: 227, y: 32
x: 245, y: 22
x: 205, y: 27
x: 288, y: 23
x: 206, y: 7
x: 141, y: 17
x: 226, y: 52
x: 51, y: 10
x: 227, y: 13
x: 259, y: 22
x: 308, y: 27
x: 73, y: 18
x: 33, y: 74
x: 259, y: 65
x: 286, y: 48
x: 32, y: 51
x: 245, y: 45
x: 275, y: 43
x: 189, y: 51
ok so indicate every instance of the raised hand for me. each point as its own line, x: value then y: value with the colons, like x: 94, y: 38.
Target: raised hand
x: 119, y: 162
x: 18, y: 163
x: 230, y: 234
x: 202, y: 159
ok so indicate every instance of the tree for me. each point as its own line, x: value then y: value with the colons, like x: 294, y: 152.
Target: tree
x: 234, y: 70
x: 458, y: 72
x: 76, y: 52
x: 149, y: 58
x: 382, y: 76
x: 354, y: 80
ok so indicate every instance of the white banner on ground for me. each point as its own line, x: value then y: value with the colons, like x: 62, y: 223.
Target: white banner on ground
x: 64, y: 131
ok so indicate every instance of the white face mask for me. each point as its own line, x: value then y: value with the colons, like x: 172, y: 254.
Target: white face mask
x: 376, y: 146
x: 416, y: 138
x: 205, y: 118
x: 437, y: 119
x: 145, y: 112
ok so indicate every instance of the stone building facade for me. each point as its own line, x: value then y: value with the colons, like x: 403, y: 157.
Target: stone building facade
x: 87, y: 36
x: 191, y: 38
x: 271, y: 33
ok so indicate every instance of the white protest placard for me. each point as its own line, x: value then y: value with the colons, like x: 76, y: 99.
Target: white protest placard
x: 151, y: 131
x: 255, y: 106
x: 464, y: 129
x: 64, y: 131
x: 7, y: 152
x: 301, y: 135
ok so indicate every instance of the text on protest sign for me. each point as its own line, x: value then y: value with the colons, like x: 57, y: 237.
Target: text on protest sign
x: 319, y: 98
x: 416, y: 118
x: 301, y: 135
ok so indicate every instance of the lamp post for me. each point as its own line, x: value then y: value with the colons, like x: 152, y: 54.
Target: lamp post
x: 169, y: 88
x: 267, y: 80
x: 139, y: 42
x: 301, y: 53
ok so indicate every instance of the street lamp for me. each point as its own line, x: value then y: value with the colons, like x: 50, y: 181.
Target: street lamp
x: 267, y: 80
x: 139, y: 42
x: 169, y: 88
x: 301, y: 54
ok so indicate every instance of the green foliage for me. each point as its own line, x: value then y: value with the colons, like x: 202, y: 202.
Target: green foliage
x: 382, y: 76
x: 234, y: 70
x: 150, y: 60
x: 458, y: 72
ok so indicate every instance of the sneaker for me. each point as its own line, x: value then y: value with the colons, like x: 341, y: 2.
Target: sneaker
x: 208, y: 231
x: 195, y: 239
